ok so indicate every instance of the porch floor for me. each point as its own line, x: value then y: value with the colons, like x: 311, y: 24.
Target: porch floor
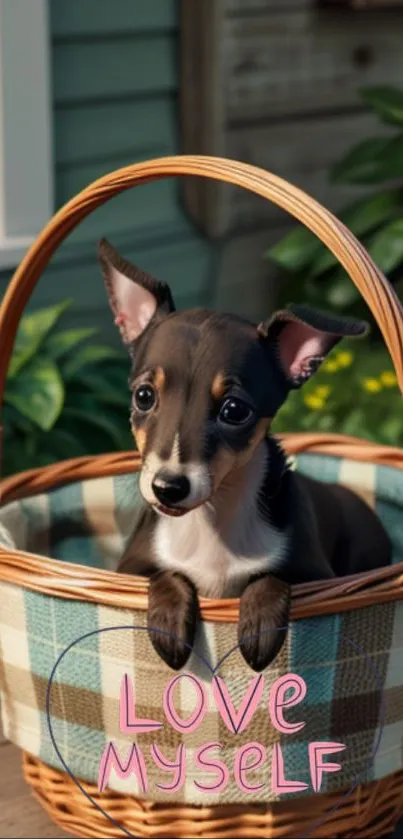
x: 20, y: 815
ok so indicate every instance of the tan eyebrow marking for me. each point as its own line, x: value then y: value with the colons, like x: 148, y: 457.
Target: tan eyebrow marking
x: 159, y: 378
x: 218, y: 386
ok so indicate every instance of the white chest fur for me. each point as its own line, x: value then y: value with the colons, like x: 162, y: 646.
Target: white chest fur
x: 192, y: 546
x: 220, y: 565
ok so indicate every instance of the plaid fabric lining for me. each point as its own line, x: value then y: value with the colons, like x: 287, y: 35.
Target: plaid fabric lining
x: 351, y: 662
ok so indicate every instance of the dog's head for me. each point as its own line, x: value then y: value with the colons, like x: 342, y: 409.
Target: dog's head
x: 206, y: 386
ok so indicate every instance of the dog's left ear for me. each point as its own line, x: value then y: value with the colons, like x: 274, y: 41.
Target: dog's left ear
x: 302, y: 337
x: 135, y: 297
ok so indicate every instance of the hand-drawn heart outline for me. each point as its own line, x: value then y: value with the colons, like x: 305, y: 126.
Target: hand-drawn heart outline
x: 213, y: 671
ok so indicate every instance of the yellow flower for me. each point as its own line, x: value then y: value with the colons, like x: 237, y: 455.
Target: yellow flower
x: 314, y: 402
x: 344, y: 358
x: 330, y: 366
x: 323, y: 391
x: 388, y: 378
x: 372, y: 385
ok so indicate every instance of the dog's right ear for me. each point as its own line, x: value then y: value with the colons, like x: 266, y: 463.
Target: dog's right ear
x: 136, y: 298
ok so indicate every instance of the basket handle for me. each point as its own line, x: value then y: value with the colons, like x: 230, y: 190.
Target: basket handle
x: 372, y: 284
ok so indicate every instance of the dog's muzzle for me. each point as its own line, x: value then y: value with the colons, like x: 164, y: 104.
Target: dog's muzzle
x: 174, y: 490
x: 171, y: 490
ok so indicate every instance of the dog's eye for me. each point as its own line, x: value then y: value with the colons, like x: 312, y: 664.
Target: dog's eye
x: 234, y: 411
x: 144, y: 398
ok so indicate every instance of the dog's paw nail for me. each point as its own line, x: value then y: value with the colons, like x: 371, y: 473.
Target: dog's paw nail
x: 263, y: 621
x: 174, y: 652
x: 174, y: 641
x: 172, y: 618
x: 261, y: 653
x: 260, y: 642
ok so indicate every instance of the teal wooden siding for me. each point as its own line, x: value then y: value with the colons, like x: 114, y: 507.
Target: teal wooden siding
x: 115, y: 92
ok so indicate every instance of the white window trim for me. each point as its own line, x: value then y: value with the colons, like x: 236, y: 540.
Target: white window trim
x: 26, y: 158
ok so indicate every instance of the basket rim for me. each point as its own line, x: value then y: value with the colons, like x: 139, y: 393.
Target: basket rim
x: 77, y: 582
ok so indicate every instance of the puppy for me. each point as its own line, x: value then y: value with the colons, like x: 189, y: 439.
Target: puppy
x: 224, y: 516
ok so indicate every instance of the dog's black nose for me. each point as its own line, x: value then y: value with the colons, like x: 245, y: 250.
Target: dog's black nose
x: 169, y: 488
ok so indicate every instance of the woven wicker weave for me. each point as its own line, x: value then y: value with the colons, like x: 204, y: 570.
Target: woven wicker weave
x: 369, y: 813
x: 372, y: 809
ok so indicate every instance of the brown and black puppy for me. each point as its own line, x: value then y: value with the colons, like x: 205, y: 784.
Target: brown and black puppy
x: 224, y: 516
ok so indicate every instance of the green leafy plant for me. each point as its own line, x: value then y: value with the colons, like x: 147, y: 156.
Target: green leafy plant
x: 311, y: 271
x: 64, y: 396
x: 354, y: 392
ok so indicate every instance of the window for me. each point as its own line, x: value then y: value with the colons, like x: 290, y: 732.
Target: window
x: 26, y: 165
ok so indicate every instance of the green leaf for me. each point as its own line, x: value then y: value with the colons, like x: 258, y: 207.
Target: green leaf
x: 37, y: 392
x: 43, y: 458
x: 93, y: 439
x: 354, y: 422
x: 326, y: 422
x: 386, y: 247
x: 324, y: 262
x: 87, y: 355
x: 341, y: 291
x: 87, y: 410
x: 386, y: 101
x: 300, y: 249
x: 61, y: 444
x: 391, y: 430
x: 372, y: 161
x: 105, y: 389
x: 16, y: 459
x: 296, y: 250
x: 32, y: 331
x: 14, y: 421
x: 61, y: 343
x: 361, y: 218
x: 117, y: 371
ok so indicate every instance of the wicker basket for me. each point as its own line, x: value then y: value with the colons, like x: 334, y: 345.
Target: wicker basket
x: 36, y: 592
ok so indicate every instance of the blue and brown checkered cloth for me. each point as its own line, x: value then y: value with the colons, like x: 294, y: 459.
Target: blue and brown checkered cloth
x: 352, y: 662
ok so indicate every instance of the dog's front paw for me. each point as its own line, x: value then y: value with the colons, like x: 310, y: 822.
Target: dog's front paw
x: 173, y: 613
x: 263, y: 621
